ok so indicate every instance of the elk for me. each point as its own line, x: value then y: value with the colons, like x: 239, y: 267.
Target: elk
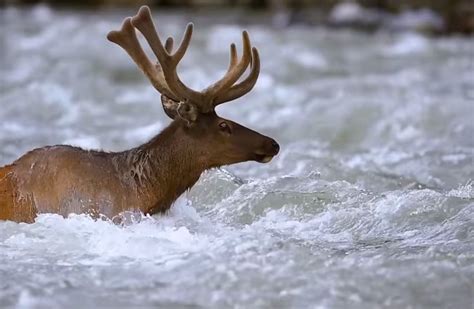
x: 149, y: 178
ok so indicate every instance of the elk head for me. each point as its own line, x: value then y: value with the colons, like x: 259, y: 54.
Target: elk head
x: 225, y: 141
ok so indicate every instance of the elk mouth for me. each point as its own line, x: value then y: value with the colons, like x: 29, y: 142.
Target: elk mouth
x: 263, y: 158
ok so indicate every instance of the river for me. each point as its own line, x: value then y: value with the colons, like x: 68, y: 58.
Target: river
x: 370, y: 203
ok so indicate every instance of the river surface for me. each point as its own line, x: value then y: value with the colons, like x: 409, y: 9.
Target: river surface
x: 370, y: 203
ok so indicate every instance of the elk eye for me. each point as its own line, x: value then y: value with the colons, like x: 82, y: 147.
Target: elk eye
x: 223, y: 126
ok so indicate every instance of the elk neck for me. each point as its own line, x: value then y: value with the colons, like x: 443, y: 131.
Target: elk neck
x: 163, y: 168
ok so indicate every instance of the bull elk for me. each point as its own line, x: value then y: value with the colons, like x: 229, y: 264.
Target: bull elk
x: 149, y: 178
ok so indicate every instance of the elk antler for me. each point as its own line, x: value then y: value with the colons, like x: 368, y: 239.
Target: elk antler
x: 144, y: 23
x: 164, y: 76
x: 127, y: 39
x: 242, y: 88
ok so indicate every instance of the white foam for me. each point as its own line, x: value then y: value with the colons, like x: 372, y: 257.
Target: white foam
x: 347, y: 12
x: 408, y: 44
x: 311, y: 59
x: 463, y: 191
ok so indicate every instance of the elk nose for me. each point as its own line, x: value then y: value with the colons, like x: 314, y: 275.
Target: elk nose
x: 275, y: 146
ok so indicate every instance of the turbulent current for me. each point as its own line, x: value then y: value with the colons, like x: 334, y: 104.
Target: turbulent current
x: 370, y: 203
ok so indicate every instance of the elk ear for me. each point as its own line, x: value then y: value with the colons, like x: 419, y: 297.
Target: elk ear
x: 170, y: 106
x: 184, y: 110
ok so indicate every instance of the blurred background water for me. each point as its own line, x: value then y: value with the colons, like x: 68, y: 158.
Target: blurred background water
x: 370, y: 203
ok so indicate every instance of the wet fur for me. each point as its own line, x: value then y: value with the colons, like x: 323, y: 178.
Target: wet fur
x: 13, y: 206
x: 65, y: 179
x: 148, y: 178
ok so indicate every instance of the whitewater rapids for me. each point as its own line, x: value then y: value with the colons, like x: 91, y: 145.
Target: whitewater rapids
x: 370, y: 203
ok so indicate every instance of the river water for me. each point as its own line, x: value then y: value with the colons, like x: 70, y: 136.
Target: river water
x: 370, y: 203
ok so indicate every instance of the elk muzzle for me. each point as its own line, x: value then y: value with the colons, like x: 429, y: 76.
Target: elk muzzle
x: 268, y: 150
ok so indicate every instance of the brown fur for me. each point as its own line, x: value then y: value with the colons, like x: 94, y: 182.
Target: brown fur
x: 149, y: 178
x: 12, y: 206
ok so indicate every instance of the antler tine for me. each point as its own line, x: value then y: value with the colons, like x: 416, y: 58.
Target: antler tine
x: 246, y: 85
x: 144, y: 23
x: 169, y: 45
x: 127, y: 39
x: 183, y: 46
x: 233, y: 57
x: 234, y: 72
